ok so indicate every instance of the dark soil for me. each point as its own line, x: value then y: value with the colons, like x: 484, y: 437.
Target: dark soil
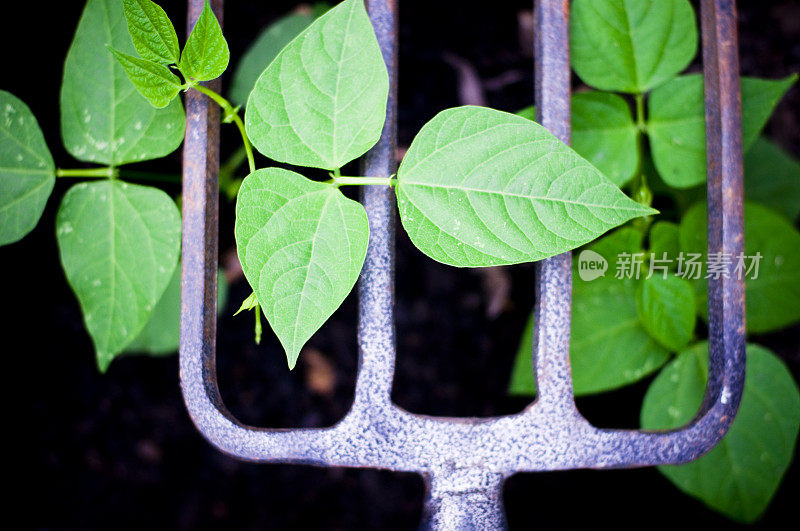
x: 118, y: 451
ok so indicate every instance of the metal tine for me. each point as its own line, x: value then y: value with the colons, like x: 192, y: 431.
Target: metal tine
x: 324, y: 446
x: 726, y: 305
x: 553, y: 275
x: 199, y: 257
x: 376, y: 333
x: 725, y: 234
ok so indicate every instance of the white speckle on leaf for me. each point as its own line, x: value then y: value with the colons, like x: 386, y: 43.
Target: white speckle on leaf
x: 673, y: 412
x: 19, y: 157
x: 97, y: 282
x: 138, y: 126
x: 65, y: 228
x: 87, y: 118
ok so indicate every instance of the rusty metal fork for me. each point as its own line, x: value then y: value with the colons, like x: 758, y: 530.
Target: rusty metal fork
x: 465, y: 461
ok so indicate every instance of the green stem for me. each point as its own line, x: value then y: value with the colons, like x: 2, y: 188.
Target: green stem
x: 232, y: 114
x: 338, y: 181
x: 257, y: 308
x: 108, y: 172
x: 640, y: 112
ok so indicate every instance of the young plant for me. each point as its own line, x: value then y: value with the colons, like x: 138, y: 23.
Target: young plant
x: 119, y: 242
x: 478, y: 187
x: 631, y: 321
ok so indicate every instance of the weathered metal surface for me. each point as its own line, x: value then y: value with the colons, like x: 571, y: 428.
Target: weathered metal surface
x: 465, y: 460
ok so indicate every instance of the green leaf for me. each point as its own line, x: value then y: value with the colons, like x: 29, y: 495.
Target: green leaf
x: 301, y: 244
x: 154, y: 81
x: 604, y: 133
x: 631, y: 45
x: 119, y: 244
x: 103, y: 118
x: 608, y: 346
x: 161, y: 335
x: 322, y: 101
x: 151, y: 31
x: 205, y: 55
x: 677, y: 129
x: 773, y: 298
x: 27, y: 171
x: 666, y: 309
x: 740, y: 475
x: 665, y: 240
x: 262, y: 52
x: 772, y: 177
x: 480, y: 187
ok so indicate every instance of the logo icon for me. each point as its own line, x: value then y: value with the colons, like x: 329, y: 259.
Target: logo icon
x: 591, y: 265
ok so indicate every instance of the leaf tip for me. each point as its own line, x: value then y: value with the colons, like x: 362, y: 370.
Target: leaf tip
x: 103, y: 359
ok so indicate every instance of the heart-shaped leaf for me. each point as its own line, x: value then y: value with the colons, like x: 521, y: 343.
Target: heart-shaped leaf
x: 741, y: 474
x: 322, y: 101
x: 480, y: 187
x: 301, y: 244
x: 152, y: 32
x: 103, y: 118
x: 119, y: 244
x: 27, y: 171
x: 631, y: 45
